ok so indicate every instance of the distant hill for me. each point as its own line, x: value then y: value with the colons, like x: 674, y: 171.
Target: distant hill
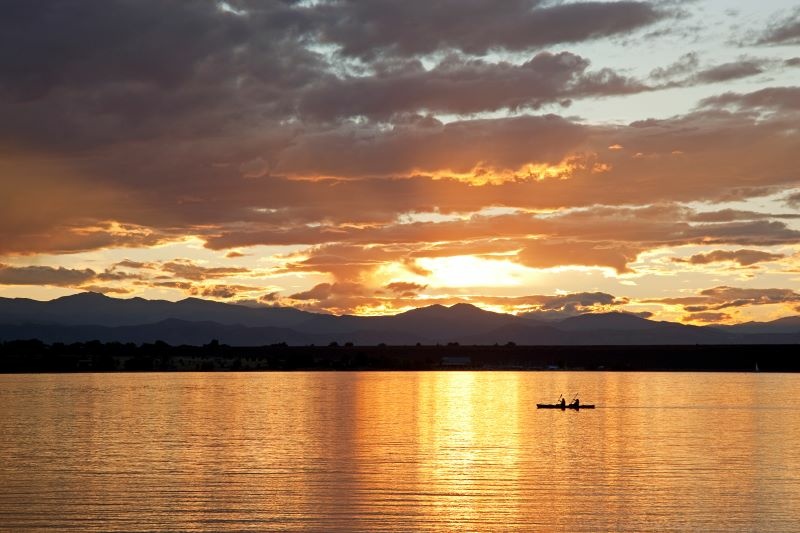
x: 90, y: 316
x: 606, y: 321
x: 97, y: 309
x: 789, y: 324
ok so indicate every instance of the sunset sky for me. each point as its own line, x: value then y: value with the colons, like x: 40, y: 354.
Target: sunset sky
x: 369, y: 157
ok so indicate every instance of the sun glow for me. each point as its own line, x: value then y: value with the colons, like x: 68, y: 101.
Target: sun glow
x: 472, y: 271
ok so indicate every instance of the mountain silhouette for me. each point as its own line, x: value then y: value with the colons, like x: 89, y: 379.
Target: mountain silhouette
x: 785, y: 325
x: 91, y: 316
x: 98, y: 309
x: 606, y: 321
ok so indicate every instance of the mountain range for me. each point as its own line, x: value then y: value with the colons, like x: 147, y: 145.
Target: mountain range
x: 92, y: 316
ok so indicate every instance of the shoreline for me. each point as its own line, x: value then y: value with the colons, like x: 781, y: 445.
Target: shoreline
x: 36, y: 357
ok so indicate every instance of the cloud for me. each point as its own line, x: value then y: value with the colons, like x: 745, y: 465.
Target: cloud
x: 321, y: 291
x: 543, y: 306
x: 793, y: 200
x: 105, y: 41
x: 330, y: 179
x: 784, y: 30
x: 344, y: 298
x: 731, y: 71
x: 772, y: 98
x: 565, y: 305
x: 222, y: 291
x: 458, y: 147
x: 331, y: 127
x: 547, y: 254
x: 270, y: 298
x: 686, y: 71
x: 61, y: 277
x: 91, y: 280
x: 106, y: 290
x: 406, y: 289
x: 601, y: 236
x: 685, y: 65
x: 743, y: 257
x: 127, y: 263
x: 725, y: 297
x: 385, y: 27
x: 708, y: 318
x: 730, y: 215
x: 211, y: 70
x: 580, y: 299
x: 186, y: 269
x: 181, y: 285
x: 336, y: 298
x: 47, y: 204
x: 685, y: 152
x: 324, y: 291
x: 461, y: 85
x: 45, y: 275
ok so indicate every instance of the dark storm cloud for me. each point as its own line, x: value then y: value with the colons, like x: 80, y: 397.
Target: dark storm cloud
x: 380, y: 174
x: 47, y: 44
x: 397, y: 27
x: 76, y: 74
x: 175, y: 118
x: 462, y: 85
x: 359, y: 151
x: 81, y: 74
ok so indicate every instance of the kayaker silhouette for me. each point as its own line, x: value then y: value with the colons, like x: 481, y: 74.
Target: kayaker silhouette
x: 575, y: 403
x: 563, y: 402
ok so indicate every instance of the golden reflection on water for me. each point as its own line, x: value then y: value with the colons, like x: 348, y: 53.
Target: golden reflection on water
x: 471, y: 435
x: 406, y: 451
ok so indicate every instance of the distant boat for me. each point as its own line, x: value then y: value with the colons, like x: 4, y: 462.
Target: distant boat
x: 564, y: 407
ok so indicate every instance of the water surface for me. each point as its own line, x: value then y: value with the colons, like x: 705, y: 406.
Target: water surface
x: 395, y: 451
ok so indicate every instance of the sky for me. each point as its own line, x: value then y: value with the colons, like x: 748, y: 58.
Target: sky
x: 541, y: 158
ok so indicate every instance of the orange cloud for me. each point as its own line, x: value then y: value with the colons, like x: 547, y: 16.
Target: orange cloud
x: 742, y: 257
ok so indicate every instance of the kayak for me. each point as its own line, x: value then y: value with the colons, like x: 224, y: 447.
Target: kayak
x: 562, y: 407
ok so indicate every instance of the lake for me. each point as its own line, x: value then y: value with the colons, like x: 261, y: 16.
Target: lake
x: 410, y: 451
